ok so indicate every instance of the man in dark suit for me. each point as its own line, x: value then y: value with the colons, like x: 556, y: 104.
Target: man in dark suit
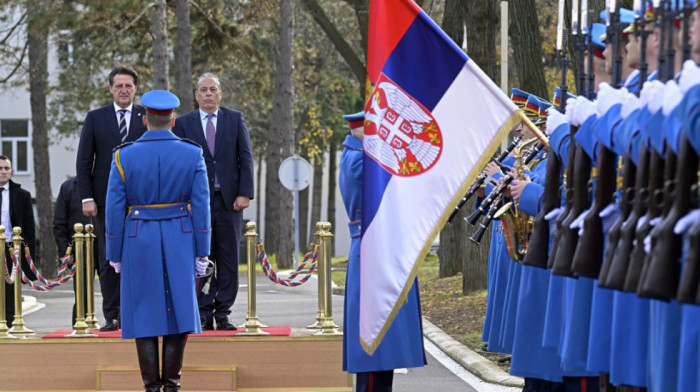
x: 224, y: 138
x: 67, y: 212
x: 15, y: 210
x: 104, y: 129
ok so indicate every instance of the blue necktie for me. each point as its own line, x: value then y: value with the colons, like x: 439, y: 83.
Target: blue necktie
x: 123, y: 131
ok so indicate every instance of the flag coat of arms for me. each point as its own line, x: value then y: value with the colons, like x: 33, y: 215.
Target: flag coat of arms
x: 432, y: 121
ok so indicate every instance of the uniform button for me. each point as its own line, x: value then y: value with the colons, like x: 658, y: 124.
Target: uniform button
x: 165, y: 274
x: 166, y: 291
x: 136, y: 212
x: 359, y: 228
x: 182, y: 209
x: 168, y: 309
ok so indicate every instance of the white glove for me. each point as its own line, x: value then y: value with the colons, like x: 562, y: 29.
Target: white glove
x: 584, y: 109
x: 200, y: 264
x: 649, y: 94
x: 690, y: 76
x: 552, y: 217
x: 629, y: 105
x: 578, y: 222
x: 117, y: 265
x: 642, y: 220
x: 554, y: 119
x: 607, y: 97
x: 672, y: 97
x: 684, y: 224
x: 647, y: 244
x: 608, y: 216
x: 570, y: 109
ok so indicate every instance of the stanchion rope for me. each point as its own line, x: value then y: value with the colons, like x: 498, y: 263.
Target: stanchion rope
x: 289, y: 282
x: 61, y: 276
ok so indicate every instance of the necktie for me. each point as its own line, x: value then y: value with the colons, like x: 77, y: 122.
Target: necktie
x: 211, y: 142
x: 123, y: 131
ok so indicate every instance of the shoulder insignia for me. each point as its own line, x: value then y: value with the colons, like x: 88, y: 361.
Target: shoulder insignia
x: 191, y: 142
x: 122, y: 146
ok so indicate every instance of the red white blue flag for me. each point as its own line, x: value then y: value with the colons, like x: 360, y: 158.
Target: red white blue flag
x: 432, y: 120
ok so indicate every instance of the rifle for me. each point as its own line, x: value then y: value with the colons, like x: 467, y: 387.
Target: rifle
x: 481, y: 178
x: 589, y: 252
x: 538, y: 246
x: 690, y: 278
x: 614, y: 234
x: 569, y: 236
x: 640, y: 194
x: 498, y: 191
x: 663, y: 268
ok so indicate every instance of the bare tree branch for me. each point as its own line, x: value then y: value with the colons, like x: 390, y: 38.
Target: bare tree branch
x: 13, y: 28
x: 19, y: 64
x: 214, y: 24
x: 133, y: 22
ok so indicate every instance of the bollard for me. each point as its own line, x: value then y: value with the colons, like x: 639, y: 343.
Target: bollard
x: 252, y: 325
x: 18, y: 325
x: 328, y: 327
x: 3, y: 323
x: 90, y: 319
x: 80, y: 329
x: 318, y: 235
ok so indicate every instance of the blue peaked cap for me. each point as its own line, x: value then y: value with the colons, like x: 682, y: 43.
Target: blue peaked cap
x: 626, y: 16
x: 555, y: 98
x: 597, y: 31
x: 354, y: 116
x: 160, y: 100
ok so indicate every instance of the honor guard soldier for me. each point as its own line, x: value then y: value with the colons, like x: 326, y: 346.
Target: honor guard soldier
x: 402, y: 346
x: 159, y: 183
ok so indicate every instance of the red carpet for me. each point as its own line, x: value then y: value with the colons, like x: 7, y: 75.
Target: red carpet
x: 273, y: 331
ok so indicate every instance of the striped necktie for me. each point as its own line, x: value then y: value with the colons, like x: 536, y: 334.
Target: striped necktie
x: 123, y: 131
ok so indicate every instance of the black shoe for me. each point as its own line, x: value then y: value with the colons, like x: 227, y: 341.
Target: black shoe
x: 225, y: 325
x: 110, y: 325
x: 207, y: 324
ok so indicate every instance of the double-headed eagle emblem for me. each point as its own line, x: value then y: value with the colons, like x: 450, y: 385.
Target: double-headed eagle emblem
x: 400, y: 134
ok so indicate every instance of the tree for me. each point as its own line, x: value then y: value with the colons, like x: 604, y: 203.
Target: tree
x: 183, y: 51
x: 278, y: 201
x: 159, y: 31
x: 526, y: 40
x: 37, y: 42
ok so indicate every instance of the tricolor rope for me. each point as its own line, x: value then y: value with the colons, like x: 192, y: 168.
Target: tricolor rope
x: 289, y: 282
x: 10, y: 279
x: 61, y: 276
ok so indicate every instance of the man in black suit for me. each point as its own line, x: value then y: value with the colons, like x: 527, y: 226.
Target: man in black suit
x: 225, y: 141
x: 67, y: 212
x: 104, y: 129
x: 15, y: 210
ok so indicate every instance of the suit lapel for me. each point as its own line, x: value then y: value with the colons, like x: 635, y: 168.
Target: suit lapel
x: 196, y: 133
x: 111, y: 124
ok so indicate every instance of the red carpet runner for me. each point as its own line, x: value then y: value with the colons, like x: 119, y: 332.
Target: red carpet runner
x: 273, y: 331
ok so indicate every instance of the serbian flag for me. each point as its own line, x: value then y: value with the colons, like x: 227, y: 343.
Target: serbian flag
x: 432, y: 121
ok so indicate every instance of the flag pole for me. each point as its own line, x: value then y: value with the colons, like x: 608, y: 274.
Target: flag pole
x: 538, y: 134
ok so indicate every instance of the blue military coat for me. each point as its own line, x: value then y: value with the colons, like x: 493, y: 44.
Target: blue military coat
x: 151, y: 183
x: 402, y: 345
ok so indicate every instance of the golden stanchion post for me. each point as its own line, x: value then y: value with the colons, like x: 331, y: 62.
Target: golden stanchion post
x: 80, y: 329
x: 252, y: 325
x: 3, y: 323
x: 328, y: 327
x: 90, y: 319
x: 18, y: 325
x: 319, y: 273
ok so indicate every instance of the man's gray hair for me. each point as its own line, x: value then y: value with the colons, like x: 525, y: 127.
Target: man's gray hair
x: 209, y: 75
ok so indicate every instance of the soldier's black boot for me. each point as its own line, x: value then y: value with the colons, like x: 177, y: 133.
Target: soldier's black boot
x: 147, y: 350
x: 173, y: 352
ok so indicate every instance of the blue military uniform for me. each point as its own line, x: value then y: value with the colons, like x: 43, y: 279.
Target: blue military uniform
x: 402, y: 346
x: 157, y: 240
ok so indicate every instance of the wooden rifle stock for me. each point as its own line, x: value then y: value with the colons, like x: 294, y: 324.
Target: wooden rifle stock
x: 569, y: 236
x: 614, y: 234
x: 538, y: 246
x: 663, y: 271
x: 690, y: 279
x: 636, y: 264
x: 568, y: 195
x: 589, y: 251
x: 623, y: 251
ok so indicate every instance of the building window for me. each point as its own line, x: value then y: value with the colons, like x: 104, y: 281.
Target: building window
x: 15, y: 143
